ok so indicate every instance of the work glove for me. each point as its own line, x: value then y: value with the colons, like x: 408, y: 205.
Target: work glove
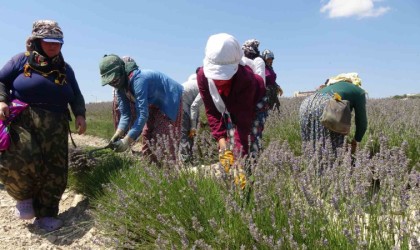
x: 192, y: 133
x: 120, y: 145
x: 226, y: 159
x: 240, y: 178
x: 118, y: 134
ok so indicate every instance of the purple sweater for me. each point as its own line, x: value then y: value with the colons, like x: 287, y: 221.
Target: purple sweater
x: 247, y: 90
x: 270, y: 76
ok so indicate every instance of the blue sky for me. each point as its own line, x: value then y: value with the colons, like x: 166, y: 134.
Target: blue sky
x: 311, y: 40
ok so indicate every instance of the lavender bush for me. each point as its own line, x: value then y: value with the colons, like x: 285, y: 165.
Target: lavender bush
x: 296, y: 198
x: 399, y: 121
x: 146, y: 207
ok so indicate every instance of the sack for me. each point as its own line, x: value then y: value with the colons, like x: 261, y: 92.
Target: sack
x: 337, y: 116
x: 15, y: 108
x: 4, y: 137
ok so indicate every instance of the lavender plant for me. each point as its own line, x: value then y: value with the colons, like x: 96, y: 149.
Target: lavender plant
x: 146, y: 207
x: 296, y: 198
x: 284, y: 125
x: 399, y: 121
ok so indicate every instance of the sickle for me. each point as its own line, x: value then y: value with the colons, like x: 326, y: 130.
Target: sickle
x: 90, y: 152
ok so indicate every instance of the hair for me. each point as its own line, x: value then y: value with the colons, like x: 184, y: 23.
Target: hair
x: 34, y: 44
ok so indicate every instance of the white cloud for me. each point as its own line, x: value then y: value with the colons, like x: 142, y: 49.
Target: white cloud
x: 348, y: 8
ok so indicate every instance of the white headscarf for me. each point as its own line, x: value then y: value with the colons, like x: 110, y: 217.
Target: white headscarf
x: 346, y: 77
x: 222, y: 56
x: 217, y: 99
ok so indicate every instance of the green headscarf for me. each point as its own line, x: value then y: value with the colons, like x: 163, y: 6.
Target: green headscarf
x: 130, y: 64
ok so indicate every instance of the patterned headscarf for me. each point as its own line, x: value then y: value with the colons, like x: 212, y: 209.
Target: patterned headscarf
x: 46, y: 29
x: 250, y: 48
x: 38, y: 61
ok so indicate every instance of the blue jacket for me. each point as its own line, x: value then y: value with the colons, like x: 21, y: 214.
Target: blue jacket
x: 148, y: 87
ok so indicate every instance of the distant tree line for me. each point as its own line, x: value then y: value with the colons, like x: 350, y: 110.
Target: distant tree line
x: 413, y: 96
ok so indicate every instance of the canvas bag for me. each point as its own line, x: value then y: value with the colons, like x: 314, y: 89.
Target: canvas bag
x: 15, y: 108
x: 337, y: 116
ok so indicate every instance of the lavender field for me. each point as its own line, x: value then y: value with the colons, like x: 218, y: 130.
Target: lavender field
x: 369, y: 200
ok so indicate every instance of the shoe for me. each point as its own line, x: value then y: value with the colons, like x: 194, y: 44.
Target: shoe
x: 25, y: 210
x: 48, y: 223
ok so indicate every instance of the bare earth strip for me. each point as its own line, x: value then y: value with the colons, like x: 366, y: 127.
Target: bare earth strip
x: 78, y: 231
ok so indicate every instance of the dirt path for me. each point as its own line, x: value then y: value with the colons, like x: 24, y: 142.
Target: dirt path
x: 77, y: 233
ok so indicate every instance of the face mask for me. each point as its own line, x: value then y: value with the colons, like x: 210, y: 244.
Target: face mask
x: 118, y: 83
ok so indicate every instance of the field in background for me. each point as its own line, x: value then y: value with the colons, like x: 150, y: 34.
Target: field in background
x: 99, y: 119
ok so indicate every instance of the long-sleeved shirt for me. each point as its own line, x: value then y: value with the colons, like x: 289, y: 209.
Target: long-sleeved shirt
x: 246, y: 91
x: 257, y: 65
x: 270, y: 76
x: 39, y: 91
x: 148, y: 87
x: 357, y: 98
x: 191, y: 99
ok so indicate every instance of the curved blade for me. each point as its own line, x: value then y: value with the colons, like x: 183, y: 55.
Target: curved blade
x: 91, y: 152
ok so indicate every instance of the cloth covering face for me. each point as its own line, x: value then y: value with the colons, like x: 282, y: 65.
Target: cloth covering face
x: 111, y: 67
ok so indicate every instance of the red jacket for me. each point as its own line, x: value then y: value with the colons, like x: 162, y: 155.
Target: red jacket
x: 246, y: 91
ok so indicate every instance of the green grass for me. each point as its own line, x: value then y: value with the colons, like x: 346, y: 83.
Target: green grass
x: 99, y: 119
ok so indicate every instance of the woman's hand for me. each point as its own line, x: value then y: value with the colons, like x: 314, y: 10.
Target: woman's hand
x: 279, y: 91
x: 222, y: 145
x: 80, y: 124
x: 4, y: 111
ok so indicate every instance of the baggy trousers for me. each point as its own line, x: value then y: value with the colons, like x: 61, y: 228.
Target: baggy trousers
x: 186, y: 142
x: 158, y: 124
x: 36, y: 164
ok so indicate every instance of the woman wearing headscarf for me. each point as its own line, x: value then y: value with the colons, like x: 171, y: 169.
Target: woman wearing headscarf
x: 231, y: 93
x: 252, y: 57
x: 348, y: 87
x: 34, y: 168
x: 157, y: 100
x: 191, y: 103
x: 273, y: 90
